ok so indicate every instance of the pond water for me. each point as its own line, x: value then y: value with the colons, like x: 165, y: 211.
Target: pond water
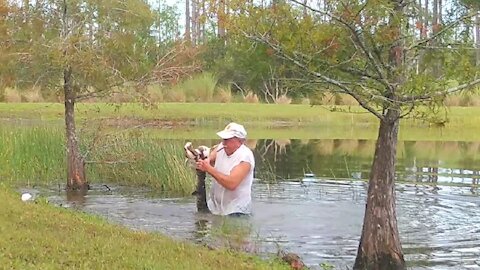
x: 315, y: 207
x: 446, y: 162
x: 319, y: 220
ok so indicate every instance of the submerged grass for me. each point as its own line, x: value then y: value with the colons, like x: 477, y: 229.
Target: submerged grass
x: 41, y: 236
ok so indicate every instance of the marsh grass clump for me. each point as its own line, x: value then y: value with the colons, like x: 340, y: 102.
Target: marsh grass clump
x: 32, y: 155
x: 11, y: 95
x: 36, y: 156
x: 251, y: 98
x: 199, y: 88
x: 132, y: 159
x: 223, y: 94
x: 155, y: 93
x: 283, y: 99
x: 33, y: 94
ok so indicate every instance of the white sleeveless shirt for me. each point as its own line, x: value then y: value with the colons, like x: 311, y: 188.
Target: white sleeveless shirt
x: 223, y: 201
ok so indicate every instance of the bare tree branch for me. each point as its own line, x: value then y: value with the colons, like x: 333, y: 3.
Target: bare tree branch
x: 439, y: 93
x: 174, y: 65
x: 443, y: 30
x: 273, y: 88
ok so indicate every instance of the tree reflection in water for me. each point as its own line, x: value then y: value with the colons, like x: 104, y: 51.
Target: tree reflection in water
x: 77, y: 197
x: 417, y: 161
x: 428, y: 162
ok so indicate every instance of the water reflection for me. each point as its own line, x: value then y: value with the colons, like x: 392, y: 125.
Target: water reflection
x: 201, y: 229
x: 76, y: 197
x: 417, y: 161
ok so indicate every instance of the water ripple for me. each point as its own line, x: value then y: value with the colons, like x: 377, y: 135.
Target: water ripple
x: 319, y: 220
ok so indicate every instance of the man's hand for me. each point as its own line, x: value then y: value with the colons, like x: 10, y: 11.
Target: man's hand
x: 204, y: 165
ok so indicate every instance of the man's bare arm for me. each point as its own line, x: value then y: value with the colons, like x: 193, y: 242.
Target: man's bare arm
x: 231, y: 181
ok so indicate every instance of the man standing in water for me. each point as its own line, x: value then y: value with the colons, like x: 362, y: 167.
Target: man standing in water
x: 231, y: 164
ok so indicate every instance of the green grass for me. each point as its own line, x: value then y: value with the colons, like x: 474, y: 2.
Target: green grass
x: 41, y: 236
x: 196, y: 112
x: 32, y: 154
x: 264, y: 114
x: 200, y: 88
x: 135, y: 160
x: 36, y: 156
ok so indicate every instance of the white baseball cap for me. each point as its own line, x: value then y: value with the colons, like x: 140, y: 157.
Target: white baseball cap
x: 233, y: 130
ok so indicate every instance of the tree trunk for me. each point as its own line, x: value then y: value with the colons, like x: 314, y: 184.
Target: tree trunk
x: 75, y: 164
x: 477, y: 38
x: 198, y: 23
x: 435, y: 26
x: 304, y: 12
x: 188, y: 21
x: 436, y: 66
x: 440, y: 12
x: 424, y: 32
x: 221, y: 19
x: 380, y: 247
x: 194, y: 22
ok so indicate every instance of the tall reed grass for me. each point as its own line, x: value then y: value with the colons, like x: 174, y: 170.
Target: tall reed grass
x: 135, y: 160
x: 36, y: 156
x: 31, y: 155
x: 199, y: 88
x: 204, y: 87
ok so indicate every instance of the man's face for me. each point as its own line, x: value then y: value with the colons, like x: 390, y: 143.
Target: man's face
x: 230, y: 145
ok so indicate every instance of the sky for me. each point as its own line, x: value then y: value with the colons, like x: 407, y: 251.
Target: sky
x: 179, y: 4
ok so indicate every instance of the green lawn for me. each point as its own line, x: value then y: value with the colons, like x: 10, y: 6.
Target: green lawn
x: 263, y: 120
x: 42, y: 236
x: 245, y: 112
x: 180, y: 111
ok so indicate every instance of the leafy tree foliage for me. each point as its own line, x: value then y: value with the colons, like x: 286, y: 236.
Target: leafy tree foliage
x: 250, y: 67
x: 328, y: 47
x: 106, y: 43
x: 82, y: 48
x: 474, y: 4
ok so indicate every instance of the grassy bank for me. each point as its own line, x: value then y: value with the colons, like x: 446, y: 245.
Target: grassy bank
x: 196, y: 112
x: 264, y: 114
x: 41, y: 236
x: 175, y: 120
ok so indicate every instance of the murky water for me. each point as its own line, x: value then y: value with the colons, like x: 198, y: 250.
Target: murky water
x: 445, y: 162
x: 320, y: 218
x: 317, y: 219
